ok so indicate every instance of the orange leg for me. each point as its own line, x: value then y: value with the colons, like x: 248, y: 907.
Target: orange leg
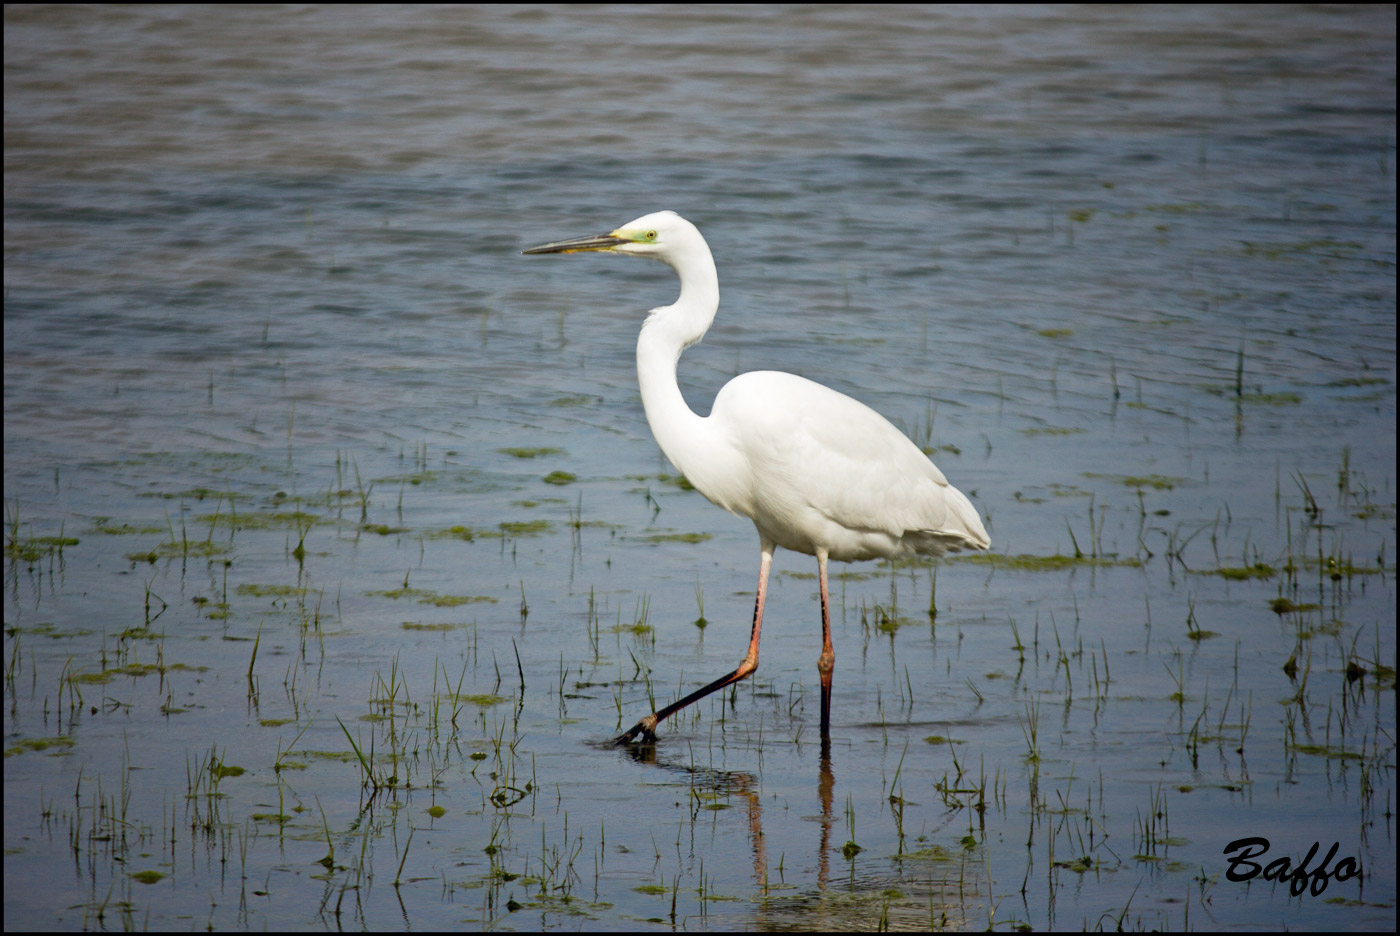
x: 827, y: 661
x: 647, y: 726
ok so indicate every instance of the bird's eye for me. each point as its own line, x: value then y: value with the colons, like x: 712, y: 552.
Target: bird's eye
x: 651, y: 235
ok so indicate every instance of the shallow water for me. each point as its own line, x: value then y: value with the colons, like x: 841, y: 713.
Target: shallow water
x: 281, y: 397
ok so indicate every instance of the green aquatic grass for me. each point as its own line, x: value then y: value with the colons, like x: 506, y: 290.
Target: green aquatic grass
x: 194, y: 493
x: 677, y: 481
x: 932, y: 853
x: 522, y: 528
x: 677, y: 537
x: 37, y: 547
x: 47, y: 629
x: 534, y: 502
x: 383, y: 529
x: 460, y: 532
x: 515, y: 528
x: 104, y: 525
x: 1336, y: 570
x: 1330, y: 752
x: 1052, y: 431
x: 1025, y: 562
x: 1259, y: 570
x: 530, y: 452
x: 1255, y: 398
x: 26, y: 745
x: 1358, y: 382
x: 480, y: 699
x: 254, y: 590
x: 135, y: 671
x: 198, y: 549
x: 1183, y: 208
x: 415, y: 478
x: 1322, y: 247
x: 453, y: 601
x: 1155, y: 481
x: 256, y: 520
x: 1272, y: 399
x: 426, y: 596
x: 1286, y: 606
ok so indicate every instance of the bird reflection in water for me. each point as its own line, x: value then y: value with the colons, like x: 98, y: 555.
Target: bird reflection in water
x: 745, y: 786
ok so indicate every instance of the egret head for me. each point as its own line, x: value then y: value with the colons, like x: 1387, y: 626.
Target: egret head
x: 659, y: 235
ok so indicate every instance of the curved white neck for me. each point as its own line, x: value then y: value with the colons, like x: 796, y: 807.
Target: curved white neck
x: 667, y: 332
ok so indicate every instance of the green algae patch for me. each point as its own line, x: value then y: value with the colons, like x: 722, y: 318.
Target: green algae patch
x: 26, y: 745
x: 1320, y: 247
x: 522, y: 528
x: 135, y: 671
x: 1272, y: 399
x: 197, y: 549
x: 516, y: 528
x: 678, y: 481
x: 37, y: 547
x: 254, y: 520
x: 636, y: 629
x: 46, y: 629
x: 530, y: 452
x: 1333, y: 569
x: 1052, y: 431
x: 1239, y: 573
x: 427, y: 596
x: 560, y: 477
x: 1285, y: 606
x: 464, y: 533
x: 1358, y: 382
x: 104, y: 525
x: 343, y: 757
x: 1155, y: 481
x: 1330, y: 752
x: 677, y: 537
x: 1056, y: 563
x: 415, y: 478
x: 254, y: 590
x: 453, y: 601
x: 383, y: 529
x: 194, y: 493
x: 932, y: 853
x: 147, y: 877
x: 480, y: 700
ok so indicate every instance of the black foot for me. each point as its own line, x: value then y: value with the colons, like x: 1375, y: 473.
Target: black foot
x: 645, y: 728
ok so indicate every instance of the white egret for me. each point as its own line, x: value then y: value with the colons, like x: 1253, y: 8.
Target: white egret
x: 816, y: 471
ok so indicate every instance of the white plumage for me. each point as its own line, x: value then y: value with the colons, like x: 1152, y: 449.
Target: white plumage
x: 816, y: 471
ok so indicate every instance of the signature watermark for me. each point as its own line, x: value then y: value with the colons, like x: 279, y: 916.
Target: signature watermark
x: 1299, y: 878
